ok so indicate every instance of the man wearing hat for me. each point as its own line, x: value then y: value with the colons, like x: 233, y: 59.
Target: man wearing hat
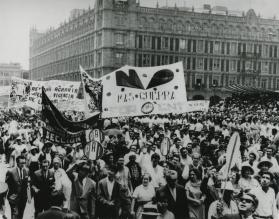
x: 246, y: 181
x: 17, y: 179
x: 83, y: 196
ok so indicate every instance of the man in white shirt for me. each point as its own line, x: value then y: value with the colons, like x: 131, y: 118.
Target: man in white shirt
x: 269, y: 157
x: 266, y: 196
x: 156, y: 172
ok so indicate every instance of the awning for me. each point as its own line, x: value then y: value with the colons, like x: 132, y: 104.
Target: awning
x: 243, y: 89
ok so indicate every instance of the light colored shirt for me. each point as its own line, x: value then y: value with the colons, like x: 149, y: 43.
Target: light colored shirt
x: 110, y: 187
x: 267, y: 202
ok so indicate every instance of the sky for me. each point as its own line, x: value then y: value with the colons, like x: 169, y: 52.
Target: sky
x: 18, y: 16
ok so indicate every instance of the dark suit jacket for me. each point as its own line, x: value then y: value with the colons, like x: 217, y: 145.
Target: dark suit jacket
x: 179, y: 207
x: 232, y: 216
x: 17, y: 187
x: 83, y: 201
x: 52, y: 213
x: 44, y: 185
x: 104, y: 209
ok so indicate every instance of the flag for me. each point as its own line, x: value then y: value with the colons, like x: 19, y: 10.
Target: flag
x: 93, y: 89
x: 233, y: 155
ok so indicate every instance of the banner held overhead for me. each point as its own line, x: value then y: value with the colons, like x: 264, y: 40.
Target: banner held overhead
x: 135, y: 91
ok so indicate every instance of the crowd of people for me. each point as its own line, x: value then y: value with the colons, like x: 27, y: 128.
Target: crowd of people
x: 159, y: 166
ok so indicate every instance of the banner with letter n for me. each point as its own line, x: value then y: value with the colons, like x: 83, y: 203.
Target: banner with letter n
x: 136, y: 91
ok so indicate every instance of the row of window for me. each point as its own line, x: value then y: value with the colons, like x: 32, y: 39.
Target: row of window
x: 205, y: 46
x: 73, y: 48
x: 208, y: 64
x: 87, y: 61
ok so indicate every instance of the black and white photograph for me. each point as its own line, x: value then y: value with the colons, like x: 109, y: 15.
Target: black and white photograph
x: 139, y: 109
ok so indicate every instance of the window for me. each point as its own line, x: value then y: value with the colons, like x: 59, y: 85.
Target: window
x: 158, y: 60
x: 153, y: 43
x: 277, y: 84
x: 188, y: 63
x: 152, y: 60
x: 194, y: 64
x: 159, y: 43
x: 233, y: 65
x: 146, y: 60
x: 194, y: 45
x: 171, y: 44
x: 228, y: 48
x: 274, y: 68
x: 189, y: 46
x: 239, y: 49
x: 146, y: 42
x: 233, y: 49
x: 216, y: 64
x: 165, y: 43
x: 176, y: 44
x: 140, y: 42
x: 265, y: 67
x: 200, y: 46
x: 211, y: 47
x: 99, y: 58
x: 263, y: 84
x: 210, y: 64
x: 206, y: 47
x: 275, y: 51
x: 205, y: 64
x: 223, y: 48
x: 119, y: 57
x: 119, y: 39
x: 222, y: 65
x: 270, y: 51
x: 99, y: 39
x: 182, y: 44
x: 238, y: 65
x: 200, y: 63
x: 270, y: 68
x: 227, y: 65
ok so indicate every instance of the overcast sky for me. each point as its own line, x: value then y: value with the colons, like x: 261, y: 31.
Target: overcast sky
x: 18, y: 16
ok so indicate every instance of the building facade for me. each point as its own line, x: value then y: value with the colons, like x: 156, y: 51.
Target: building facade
x: 217, y: 47
x: 9, y: 70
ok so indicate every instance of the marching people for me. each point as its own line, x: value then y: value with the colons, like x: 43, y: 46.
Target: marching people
x: 83, y: 195
x: 17, y: 179
x: 42, y: 184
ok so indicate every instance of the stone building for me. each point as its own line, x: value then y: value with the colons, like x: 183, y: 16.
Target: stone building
x: 8, y: 70
x: 218, y: 47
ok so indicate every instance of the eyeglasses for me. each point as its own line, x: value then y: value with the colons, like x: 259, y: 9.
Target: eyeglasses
x: 249, y: 201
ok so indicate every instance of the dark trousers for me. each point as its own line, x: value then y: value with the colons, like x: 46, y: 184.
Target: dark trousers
x: 41, y: 203
x: 17, y: 210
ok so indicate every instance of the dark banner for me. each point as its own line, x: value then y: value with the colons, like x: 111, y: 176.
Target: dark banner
x: 52, y: 116
x: 63, y: 138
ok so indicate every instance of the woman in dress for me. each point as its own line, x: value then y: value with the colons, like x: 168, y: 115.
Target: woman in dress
x: 143, y: 194
x: 195, y: 196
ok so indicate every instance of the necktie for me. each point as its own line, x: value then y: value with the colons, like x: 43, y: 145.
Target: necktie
x: 21, y: 175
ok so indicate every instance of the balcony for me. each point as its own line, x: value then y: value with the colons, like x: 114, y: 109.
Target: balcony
x: 250, y: 71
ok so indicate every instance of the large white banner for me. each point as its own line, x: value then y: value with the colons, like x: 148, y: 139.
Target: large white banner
x: 197, y: 105
x: 134, y: 91
x: 28, y: 93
